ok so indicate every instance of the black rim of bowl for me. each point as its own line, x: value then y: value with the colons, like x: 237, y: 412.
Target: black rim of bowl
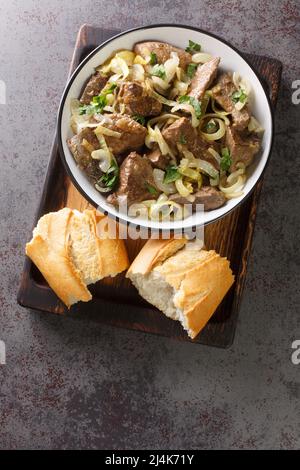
x: 83, y: 63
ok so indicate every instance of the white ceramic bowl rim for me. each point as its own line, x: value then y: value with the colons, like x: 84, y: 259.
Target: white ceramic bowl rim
x: 148, y: 223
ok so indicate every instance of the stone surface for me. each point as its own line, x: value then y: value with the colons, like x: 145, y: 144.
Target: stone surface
x: 70, y: 384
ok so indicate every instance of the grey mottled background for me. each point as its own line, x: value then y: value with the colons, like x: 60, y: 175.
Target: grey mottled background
x: 70, y: 384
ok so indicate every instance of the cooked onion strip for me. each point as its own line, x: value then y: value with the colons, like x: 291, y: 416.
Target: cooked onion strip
x: 215, y: 154
x: 201, y: 58
x: 184, y: 190
x: 160, y: 84
x: 157, y: 96
x: 171, y: 66
x: 103, y: 154
x: 207, y: 167
x: 216, y: 115
x: 163, y: 118
x: 154, y: 135
x: 163, y: 208
x: 237, y: 186
x: 104, y: 159
x: 218, y: 134
x: 189, y: 109
x: 167, y: 188
x: 102, y: 189
x: 106, y: 131
x: 234, y: 183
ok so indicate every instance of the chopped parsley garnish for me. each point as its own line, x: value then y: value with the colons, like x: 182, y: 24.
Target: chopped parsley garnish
x: 239, y: 95
x: 182, y: 139
x: 140, y: 119
x: 96, y: 105
x: 226, y: 159
x: 172, y: 174
x: 159, y: 71
x: 193, y: 47
x: 98, y: 102
x: 191, y: 69
x: 151, y: 189
x: 153, y: 58
x: 111, y: 178
x: 193, y: 102
x: 110, y: 89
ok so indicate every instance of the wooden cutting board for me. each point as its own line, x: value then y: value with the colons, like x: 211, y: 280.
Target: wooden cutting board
x: 115, y: 301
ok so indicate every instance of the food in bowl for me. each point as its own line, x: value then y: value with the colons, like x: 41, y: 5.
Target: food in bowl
x: 161, y: 128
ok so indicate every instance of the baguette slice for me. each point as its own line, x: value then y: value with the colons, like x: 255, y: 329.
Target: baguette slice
x: 155, y: 251
x: 69, y: 253
x: 187, y: 286
x: 50, y: 251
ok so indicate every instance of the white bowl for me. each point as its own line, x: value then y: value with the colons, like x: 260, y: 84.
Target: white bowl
x: 231, y: 60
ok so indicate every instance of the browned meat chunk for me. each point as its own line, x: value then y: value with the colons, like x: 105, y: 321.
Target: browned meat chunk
x: 163, y: 52
x: 82, y: 154
x: 136, y: 100
x: 93, y: 87
x: 136, y: 181
x: 132, y: 133
x: 242, y: 148
x: 211, y: 198
x: 203, y: 78
x: 222, y: 93
x: 182, y: 130
x: 157, y: 159
x: 241, y: 118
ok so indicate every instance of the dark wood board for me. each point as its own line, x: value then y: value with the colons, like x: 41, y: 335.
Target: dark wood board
x: 116, y: 301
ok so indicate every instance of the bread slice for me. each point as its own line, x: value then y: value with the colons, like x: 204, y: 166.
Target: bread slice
x: 188, y: 286
x: 83, y: 247
x: 155, y: 251
x: 49, y: 250
x: 112, y: 251
x: 67, y: 250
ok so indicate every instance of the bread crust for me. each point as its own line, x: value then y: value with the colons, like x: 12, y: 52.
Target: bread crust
x: 49, y: 251
x: 66, y: 249
x: 155, y: 251
x: 201, y: 291
x: 112, y: 251
x: 200, y: 279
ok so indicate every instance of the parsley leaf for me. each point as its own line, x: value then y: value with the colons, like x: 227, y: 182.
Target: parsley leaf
x: 140, y: 119
x: 98, y: 102
x: 153, y: 58
x: 239, y: 95
x: 151, y: 189
x: 226, y: 159
x: 110, y: 89
x: 172, y: 174
x: 159, y: 71
x: 182, y: 139
x: 96, y: 105
x: 193, y: 102
x: 191, y: 69
x: 111, y: 178
x: 193, y: 47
